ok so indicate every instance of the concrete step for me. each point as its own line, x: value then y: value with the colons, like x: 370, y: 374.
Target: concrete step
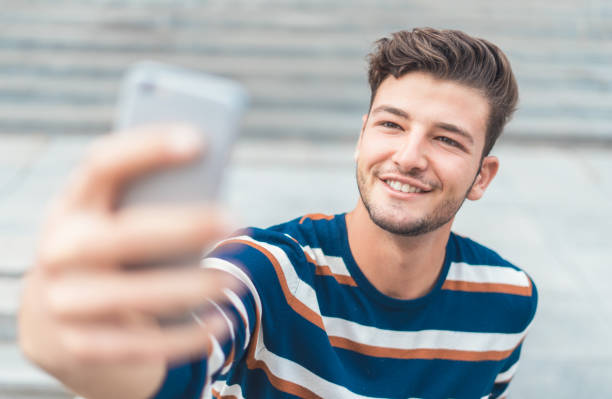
x: 333, y: 119
x: 204, y: 37
x: 31, y: 92
x: 235, y: 64
x: 301, y: 61
x: 10, y: 292
x: 318, y: 14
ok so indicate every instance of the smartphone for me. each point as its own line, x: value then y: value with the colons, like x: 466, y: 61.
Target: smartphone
x: 151, y: 93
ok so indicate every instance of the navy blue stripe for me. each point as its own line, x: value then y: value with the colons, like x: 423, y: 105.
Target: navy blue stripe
x: 456, y: 310
x: 450, y: 310
x: 255, y: 384
x: 309, y: 346
x: 289, y: 335
x: 397, y: 378
x: 184, y: 381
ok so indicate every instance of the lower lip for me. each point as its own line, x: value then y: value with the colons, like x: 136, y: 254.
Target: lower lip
x: 401, y: 194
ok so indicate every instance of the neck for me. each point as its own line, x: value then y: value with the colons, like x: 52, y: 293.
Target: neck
x: 403, y: 267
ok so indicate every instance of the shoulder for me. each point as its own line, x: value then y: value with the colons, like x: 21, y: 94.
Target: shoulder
x: 277, y: 251
x: 476, y: 268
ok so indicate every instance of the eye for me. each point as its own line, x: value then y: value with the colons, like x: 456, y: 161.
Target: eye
x: 449, y: 141
x: 390, y: 125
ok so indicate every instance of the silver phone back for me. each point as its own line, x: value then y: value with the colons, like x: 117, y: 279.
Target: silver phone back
x: 157, y: 93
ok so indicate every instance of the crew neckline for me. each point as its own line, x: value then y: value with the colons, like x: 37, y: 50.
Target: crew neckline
x: 369, y: 289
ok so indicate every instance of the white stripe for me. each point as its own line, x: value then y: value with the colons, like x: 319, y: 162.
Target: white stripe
x: 507, y: 375
x: 228, y: 390
x: 217, y: 355
x: 423, y: 339
x: 216, y: 358
x: 230, y: 325
x: 300, y: 290
x: 214, y: 361
x: 335, y: 263
x: 288, y: 370
x: 280, y: 367
x: 220, y: 264
x: 487, y: 274
x: 235, y: 300
x: 227, y: 368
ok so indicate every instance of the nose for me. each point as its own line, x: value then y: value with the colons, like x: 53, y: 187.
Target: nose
x: 411, y: 155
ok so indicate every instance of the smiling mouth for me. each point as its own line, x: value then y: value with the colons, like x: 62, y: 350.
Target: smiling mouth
x: 403, y: 187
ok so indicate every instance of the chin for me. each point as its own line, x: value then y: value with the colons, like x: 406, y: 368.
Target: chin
x: 389, y: 221
x: 399, y: 226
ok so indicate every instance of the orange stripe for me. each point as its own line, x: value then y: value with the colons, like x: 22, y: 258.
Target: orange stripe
x: 217, y: 395
x: 298, y: 307
x: 326, y: 271
x: 301, y: 309
x: 456, y: 285
x: 293, y: 302
x: 316, y: 216
x: 342, y: 279
x: 278, y: 383
x: 230, y: 358
x: 309, y: 259
x: 394, y: 353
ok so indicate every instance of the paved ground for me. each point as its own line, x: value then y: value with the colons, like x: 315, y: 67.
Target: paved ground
x: 548, y: 211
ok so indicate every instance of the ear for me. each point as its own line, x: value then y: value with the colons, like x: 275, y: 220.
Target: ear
x: 364, y: 121
x: 488, y: 170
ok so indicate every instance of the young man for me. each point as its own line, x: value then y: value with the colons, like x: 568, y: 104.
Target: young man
x: 382, y: 302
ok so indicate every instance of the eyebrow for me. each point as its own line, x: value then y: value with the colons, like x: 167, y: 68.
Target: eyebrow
x: 391, y: 110
x: 454, y: 129
x: 449, y: 127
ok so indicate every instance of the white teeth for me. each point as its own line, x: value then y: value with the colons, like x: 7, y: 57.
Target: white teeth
x: 405, y: 188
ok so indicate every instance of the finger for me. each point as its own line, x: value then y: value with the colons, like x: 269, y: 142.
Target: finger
x: 109, y: 342
x: 158, y: 292
x: 135, y: 235
x: 116, y: 158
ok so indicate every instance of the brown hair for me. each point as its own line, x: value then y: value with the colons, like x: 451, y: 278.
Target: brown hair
x: 450, y: 55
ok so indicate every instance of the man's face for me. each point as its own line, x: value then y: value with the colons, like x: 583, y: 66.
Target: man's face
x: 419, y: 153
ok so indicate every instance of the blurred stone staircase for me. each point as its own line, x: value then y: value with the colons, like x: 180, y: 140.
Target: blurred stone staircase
x: 303, y: 63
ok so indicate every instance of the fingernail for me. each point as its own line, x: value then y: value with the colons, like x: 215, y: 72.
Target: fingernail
x: 185, y: 140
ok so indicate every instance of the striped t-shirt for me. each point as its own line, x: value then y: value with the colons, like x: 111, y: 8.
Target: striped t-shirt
x: 310, y: 325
